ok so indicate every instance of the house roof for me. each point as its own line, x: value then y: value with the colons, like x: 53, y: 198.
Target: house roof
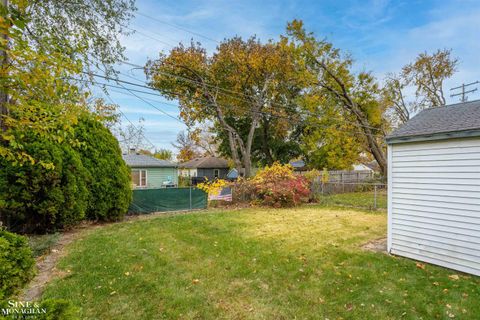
x: 144, y: 161
x: 297, y: 164
x: 452, y: 121
x: 205, y: 163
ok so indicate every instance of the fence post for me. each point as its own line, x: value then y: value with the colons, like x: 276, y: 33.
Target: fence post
x: 375, y: 197
x: 190, y: 188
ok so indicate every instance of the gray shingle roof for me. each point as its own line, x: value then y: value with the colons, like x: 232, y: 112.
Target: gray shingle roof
x: 144, y: 161
x: 206, y: 163
x: 454, y: 118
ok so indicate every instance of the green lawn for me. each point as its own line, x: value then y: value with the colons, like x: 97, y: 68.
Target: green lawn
x: 355, y: 199
x: 303, y: 263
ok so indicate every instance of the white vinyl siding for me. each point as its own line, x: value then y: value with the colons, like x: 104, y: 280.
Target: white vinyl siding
x: 434, y: 202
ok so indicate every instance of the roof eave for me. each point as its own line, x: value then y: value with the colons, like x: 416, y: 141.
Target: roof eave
x: 434, y: 136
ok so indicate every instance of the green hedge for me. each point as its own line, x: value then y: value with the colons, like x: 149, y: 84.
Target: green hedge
x: 36, y: 199
x: 86, y: 179
x: 16, y: 263
x: 109, y: 177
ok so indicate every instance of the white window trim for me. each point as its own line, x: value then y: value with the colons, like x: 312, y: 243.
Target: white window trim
x: 140, y: 178
x: 218, y: 173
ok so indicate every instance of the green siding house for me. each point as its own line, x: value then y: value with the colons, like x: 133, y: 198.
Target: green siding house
x: 151, y: 173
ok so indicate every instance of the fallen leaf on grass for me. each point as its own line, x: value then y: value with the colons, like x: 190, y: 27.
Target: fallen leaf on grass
x: 420, y: 265
x: 454, y: 276
x: 195, y: 281
x: 349, y: 306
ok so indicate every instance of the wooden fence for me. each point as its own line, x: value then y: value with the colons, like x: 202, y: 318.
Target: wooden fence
x: 348, y: 176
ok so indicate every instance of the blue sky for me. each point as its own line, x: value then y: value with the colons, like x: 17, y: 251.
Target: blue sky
x: 381, y: 35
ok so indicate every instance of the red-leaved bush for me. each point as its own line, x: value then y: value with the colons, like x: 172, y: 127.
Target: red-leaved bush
x: 277, y: 186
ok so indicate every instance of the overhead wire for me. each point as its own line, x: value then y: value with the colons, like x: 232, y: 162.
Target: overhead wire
x: 257, y: 112
x: 225, y: 91
x: 177, y: 27
x: 131, y: 123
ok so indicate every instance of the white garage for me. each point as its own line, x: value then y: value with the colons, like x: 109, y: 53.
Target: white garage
x: 434, y: 187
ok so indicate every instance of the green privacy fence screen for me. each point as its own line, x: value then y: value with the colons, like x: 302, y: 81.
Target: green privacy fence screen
x: 167, y: 199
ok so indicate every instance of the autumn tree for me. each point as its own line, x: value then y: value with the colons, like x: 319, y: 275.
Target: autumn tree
x: 240, y: 83
x: 44, y: 46
x: 163, y: 154
x: 426, y: 75
x: 205, y: 140
x: 330, y: 138
x: 185, y: 145
x: 329, y: 75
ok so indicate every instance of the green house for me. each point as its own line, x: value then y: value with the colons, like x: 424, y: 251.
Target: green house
x: 151, y: 173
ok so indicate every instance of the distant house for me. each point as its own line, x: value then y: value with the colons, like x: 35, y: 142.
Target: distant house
x: 205, y: 167
x: 151, y: 173
x: 299, y: 165
x: 434, y: 187
x: 361, y: 167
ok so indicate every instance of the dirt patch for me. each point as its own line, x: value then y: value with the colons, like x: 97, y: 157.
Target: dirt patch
x: 46, y: 264
x: 378, y: 245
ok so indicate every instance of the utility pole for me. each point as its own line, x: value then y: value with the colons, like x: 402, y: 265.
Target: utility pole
x: 463, y: 93
x: 3, y: 68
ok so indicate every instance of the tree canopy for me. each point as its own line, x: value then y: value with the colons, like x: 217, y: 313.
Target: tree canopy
x: 44, y: 46
x: 243, y: 84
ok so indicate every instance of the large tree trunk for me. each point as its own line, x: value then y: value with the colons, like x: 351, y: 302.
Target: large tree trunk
x: 234, y: 152
x: 233, y: 139
x: 265, y: 146
x: 349, y: 104
x: 248, y: 150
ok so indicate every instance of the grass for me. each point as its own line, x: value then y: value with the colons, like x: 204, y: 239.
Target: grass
x: 363, y: 200
x: 303, y: 263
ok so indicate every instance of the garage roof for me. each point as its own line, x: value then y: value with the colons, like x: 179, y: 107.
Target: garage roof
x: 452, y: 121
x: 205, y: 163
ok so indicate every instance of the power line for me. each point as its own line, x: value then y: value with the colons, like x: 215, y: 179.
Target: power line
x: 118, y: 87
x: 153, y: 106
x: 133, y: 125
x: 153, y: 100
x: 257, y: 112
x: 318, y: 126
x: 177, y: 27
x: 464, y: 93
x: 149, y: 36
x: 227, y: 92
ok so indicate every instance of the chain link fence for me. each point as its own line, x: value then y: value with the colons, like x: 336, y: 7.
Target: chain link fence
x: 364, y: 195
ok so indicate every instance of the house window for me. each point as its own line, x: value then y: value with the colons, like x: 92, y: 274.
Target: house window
x: 139, y: 178
x: 216, y: 173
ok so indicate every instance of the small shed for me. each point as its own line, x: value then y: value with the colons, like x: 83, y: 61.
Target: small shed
x: 434, y: 187
x: 151, y: 173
